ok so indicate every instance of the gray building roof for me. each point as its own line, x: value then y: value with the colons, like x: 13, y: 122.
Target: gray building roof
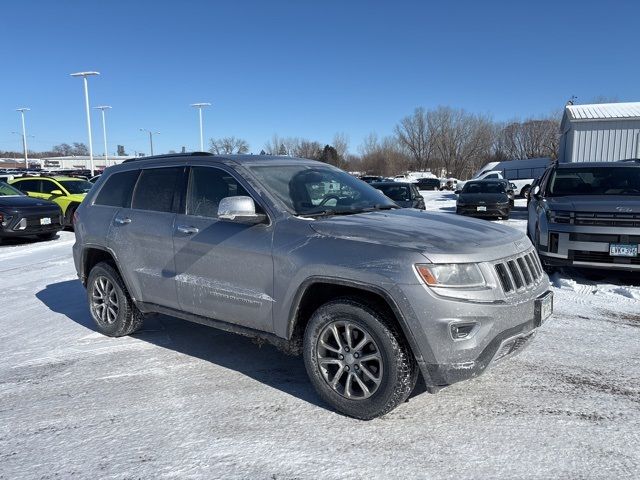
x: 603, y: 111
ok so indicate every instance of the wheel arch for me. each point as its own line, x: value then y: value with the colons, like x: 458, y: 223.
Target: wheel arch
x: 316, y: 291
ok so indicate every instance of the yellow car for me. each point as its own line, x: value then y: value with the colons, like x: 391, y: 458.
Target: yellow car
x: 67, y: 192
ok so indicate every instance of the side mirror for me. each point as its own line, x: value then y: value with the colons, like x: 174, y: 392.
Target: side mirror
x: 56, y: 192
x: 458, y: 192
x: 536, y: 191
x: 240, y: 209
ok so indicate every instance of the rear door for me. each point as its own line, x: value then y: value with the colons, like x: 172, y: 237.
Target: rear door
x: 141, y: 236
x: 224, y: 269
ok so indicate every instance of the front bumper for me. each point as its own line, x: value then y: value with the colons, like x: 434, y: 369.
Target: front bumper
x: 22, y: 225
x: 503, y: 329
x: 496, y: 210
x: 588, y: 247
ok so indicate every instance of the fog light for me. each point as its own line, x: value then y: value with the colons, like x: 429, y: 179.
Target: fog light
x: 21, y: 225
x: 462, y: 330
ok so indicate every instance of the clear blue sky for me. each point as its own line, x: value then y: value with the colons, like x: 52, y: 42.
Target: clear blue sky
x: 301, y: 68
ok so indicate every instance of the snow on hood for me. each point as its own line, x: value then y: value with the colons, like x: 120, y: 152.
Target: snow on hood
x: 434, y: 234
x: 596, y: 203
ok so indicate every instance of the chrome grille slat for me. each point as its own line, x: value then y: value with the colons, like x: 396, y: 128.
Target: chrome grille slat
x: 520, y: 272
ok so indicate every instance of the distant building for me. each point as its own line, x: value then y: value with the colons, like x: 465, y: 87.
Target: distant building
x: 603, y: 132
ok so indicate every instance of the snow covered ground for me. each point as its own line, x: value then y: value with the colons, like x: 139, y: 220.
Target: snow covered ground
x: 179, y: 400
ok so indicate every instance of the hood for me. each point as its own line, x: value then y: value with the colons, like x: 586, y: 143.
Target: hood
x: 595, y: 203
x: 482, y: 198
x: 22, y: 201
x: 441, y: 237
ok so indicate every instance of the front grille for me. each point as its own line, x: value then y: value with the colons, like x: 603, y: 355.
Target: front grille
x: 519, y: 273
x: 624, y: 220
x: 604, y: 257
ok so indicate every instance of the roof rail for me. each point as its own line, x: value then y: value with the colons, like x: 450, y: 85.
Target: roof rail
x: 169, y: 155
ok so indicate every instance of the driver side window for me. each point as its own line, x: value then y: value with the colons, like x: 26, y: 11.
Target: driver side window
x: 209, y: 185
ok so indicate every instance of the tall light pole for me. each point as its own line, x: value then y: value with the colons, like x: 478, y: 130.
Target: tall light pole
x: 84, y: 76
x: 24, y: 135
x: 151, y: 134
x: 102, y: 108
x: 200, y: 106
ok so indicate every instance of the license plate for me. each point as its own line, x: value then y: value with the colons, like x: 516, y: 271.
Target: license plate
x: 543, y: 308
x: 45, y: 221
x: 481, y: 209
x: 623, y: 250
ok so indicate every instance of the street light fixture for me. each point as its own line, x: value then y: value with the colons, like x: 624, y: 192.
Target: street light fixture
x: 84, y: 76
x: 151, y: 134
x: 200, y: 106
x: 102, y: 108
x: 24, y: 135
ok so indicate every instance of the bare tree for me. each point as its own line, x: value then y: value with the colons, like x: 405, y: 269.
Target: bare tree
x: 341, y: 144
x: 382, y: 157
x: 461, y: 141
x: 414, y: 134
x: 529, y: 139
x: 228, y: 146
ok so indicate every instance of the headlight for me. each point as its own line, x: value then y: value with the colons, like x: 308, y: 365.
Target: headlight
x: 454, y: 275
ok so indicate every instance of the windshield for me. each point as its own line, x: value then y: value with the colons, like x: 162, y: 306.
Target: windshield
x: 8, y: 191
x: 595, y: 181
x: 320, y: 190
x: 76, y: 186
x: 398, y: 193
x: 484, y: 187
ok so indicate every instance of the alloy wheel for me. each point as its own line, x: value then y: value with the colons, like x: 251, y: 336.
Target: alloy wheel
x: 349, y: 360
x: 104, y: 300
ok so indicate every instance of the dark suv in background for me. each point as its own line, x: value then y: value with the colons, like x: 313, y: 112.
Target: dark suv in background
x: 587, y: 215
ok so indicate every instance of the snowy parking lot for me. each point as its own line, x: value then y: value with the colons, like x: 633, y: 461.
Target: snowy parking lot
x: 180, y: 400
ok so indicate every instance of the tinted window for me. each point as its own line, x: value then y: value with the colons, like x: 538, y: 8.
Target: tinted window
x: 76, y: 186
x: 28, y: 185
x: 8, y: 190
x: 47, y: 186
x: 117, y: 190
x: 399, y: 193
x: 493, y: 175
x: 595, y: 181
x: 156, y: 188
x: 207, y: 186
x: 484, y: 187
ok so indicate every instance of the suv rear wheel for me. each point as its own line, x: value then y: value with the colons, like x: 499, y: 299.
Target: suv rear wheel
x: 357, y: 361
x: 110, y: 304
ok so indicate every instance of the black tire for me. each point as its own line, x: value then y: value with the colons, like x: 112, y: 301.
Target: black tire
x: 397, y: 369
x: 47, y: 236
x: 68, y: 216
x: 127, y: 319
x: 506, y: 217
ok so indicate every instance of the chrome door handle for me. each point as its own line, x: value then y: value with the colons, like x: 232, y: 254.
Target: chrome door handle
x: 122, y: 221
x: 187, y: 230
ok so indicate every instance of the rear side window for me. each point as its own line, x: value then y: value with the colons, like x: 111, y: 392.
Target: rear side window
x: 117, y: 190
x: 28, y: 185
x: 156, y: 188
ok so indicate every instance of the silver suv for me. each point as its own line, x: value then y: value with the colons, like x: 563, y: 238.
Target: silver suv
x: 308, y: 257
x: 587, y: 215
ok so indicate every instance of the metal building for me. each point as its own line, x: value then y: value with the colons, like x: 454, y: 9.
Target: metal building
x: 604, y: 132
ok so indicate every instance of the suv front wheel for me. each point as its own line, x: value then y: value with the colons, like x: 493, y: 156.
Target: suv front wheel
x: 357, y: 361
x: 110, y: 304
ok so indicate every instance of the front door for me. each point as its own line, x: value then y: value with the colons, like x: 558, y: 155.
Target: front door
x: 224, y: 270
